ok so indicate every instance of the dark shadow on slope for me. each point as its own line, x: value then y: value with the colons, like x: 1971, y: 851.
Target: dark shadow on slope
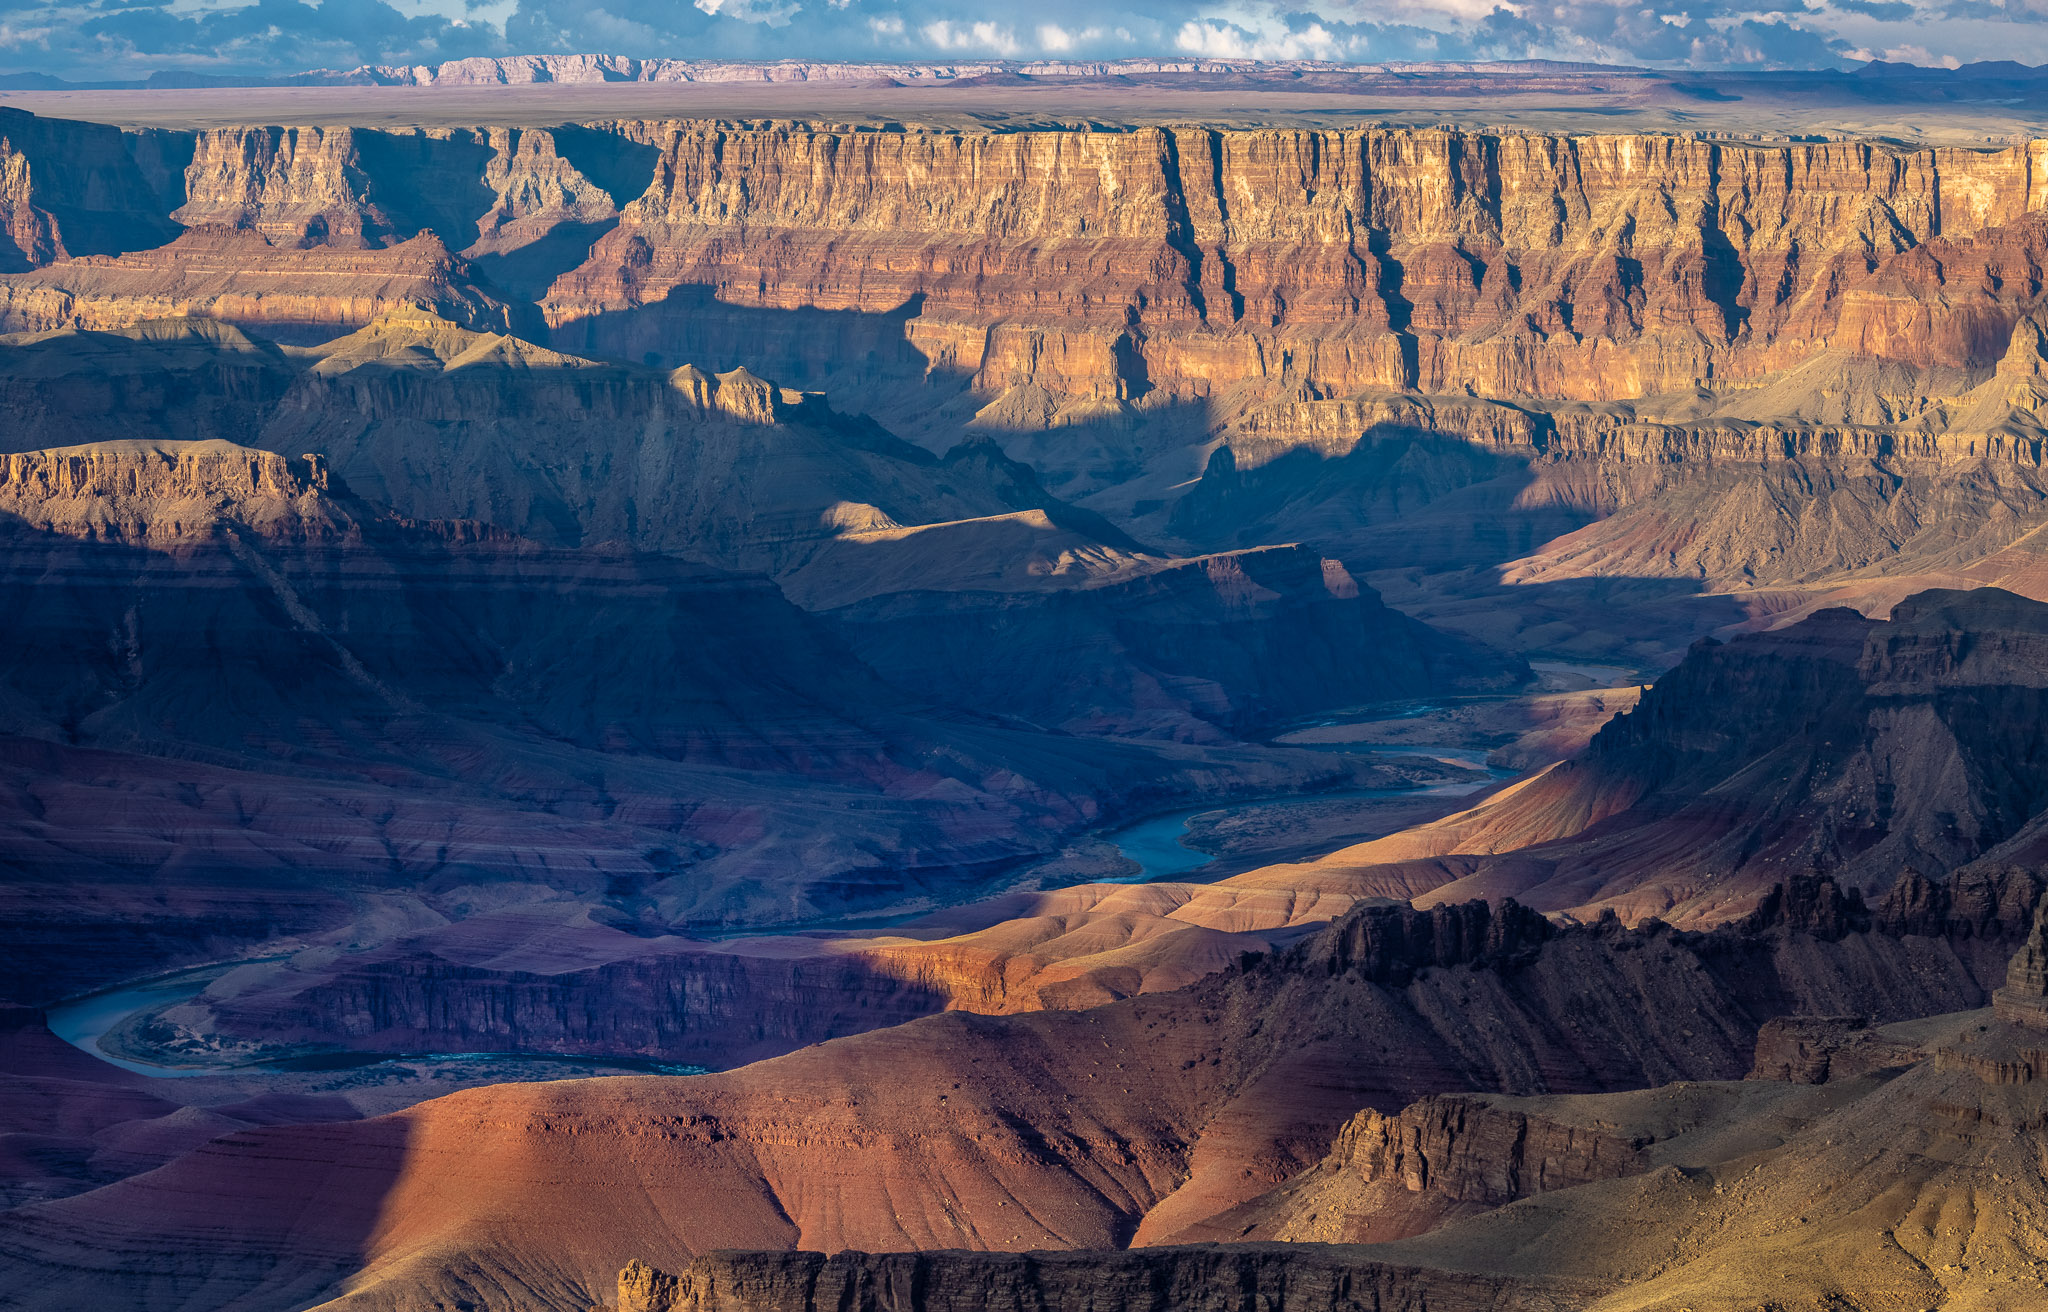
x: 625, y: 169
x: 1430, y: 519
x: 1643, y: 623
x: 1402, y: 496
x: 526, y: 272
x: 1087, y: 447
x: 1245, y: 642
x: 97, y: 199
x: 166, y: 380
x: 254, y: 1227
x: 163, y: 156
x: 240, y: 736
x: 692, y: 326
x: 424, y: 183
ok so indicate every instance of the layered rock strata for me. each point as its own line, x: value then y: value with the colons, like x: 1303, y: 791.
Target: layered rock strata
x: 2024, y: 999
x: 1178, y: 263
x: 1417, y: 349
x: 1147, y: 1121
x: 1817, y: 1049
x: 1429, y: 260
x: 1858, y: 746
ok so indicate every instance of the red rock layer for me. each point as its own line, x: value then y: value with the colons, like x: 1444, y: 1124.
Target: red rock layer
x: 1860, y: 746
x: 240, y: 277
x: 1187, y: 260
x: 1136, y: 1122
x: 1109, y: 267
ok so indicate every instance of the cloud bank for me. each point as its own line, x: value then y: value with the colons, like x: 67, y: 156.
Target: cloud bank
x: 102, y: 39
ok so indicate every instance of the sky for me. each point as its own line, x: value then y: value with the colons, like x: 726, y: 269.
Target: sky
x: 105, y: 39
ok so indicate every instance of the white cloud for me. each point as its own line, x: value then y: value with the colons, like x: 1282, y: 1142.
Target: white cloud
x: 1221, y: 40
x: 775, y: 13
x: 93, y: 39
x: 983, y: 37
x: 1057, y: 40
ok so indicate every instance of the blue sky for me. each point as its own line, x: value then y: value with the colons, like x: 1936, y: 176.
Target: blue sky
x: 125, y: 38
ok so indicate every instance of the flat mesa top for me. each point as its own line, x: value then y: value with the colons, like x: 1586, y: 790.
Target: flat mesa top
x: 1738, y: 106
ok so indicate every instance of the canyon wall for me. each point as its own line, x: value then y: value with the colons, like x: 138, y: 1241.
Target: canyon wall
x: 1350, y: 327
x: 1109, y: 265
x: 1169, y: 264
x: 1407, y: 348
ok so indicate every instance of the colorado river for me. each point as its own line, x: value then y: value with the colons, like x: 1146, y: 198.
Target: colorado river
x: 82, y: 1022
x: 1156, y: 844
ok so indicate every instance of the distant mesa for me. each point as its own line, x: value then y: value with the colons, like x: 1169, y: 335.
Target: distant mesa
x: 521, y: 70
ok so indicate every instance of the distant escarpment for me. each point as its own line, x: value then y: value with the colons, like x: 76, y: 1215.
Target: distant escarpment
x: 1843, y: 744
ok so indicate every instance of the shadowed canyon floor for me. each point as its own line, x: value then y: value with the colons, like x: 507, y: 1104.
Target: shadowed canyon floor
x: 1187, y: 685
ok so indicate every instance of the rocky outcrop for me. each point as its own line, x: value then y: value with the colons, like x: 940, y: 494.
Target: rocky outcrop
x: 488, y: 190
x: 2024, y: 999
x: 1289, y: 1278
x: 1393, y: 948
x: 296, y: 186
x: 692, y: 1007
x: 1863, y: 748
x: 240, y: 277
x: 1390, y: 1176
x: 1469, y: 1152
x: 1817, y: 1049
x: 141, y: 491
